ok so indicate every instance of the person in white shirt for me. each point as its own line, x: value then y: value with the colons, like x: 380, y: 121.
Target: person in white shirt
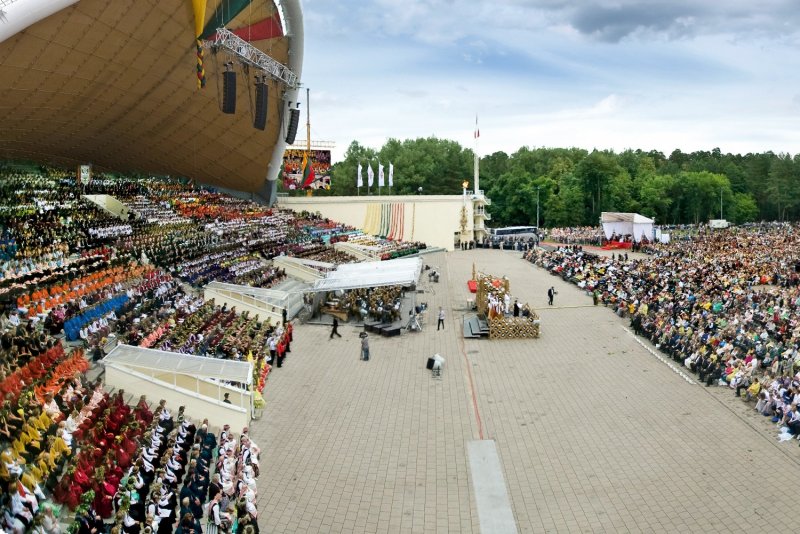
x: 51, y: 408
x: 216, y: 516
x: 18, y: 507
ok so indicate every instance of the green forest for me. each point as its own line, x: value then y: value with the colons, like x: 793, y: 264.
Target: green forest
x: 575, y: 185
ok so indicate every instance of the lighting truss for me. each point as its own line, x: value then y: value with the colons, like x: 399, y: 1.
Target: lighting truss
x: 250, y: 55
x: 315, y: 145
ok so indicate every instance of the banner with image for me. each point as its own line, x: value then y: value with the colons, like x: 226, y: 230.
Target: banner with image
x: 293, y: 168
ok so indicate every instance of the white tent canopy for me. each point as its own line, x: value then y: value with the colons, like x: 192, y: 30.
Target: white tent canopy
x: 399, y: 272
x: 185, y: 364
x: 623, y: 224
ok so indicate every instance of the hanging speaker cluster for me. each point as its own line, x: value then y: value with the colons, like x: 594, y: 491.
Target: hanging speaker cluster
x: 294, y: 122
x: 260, y: 119
x: 229, y: 90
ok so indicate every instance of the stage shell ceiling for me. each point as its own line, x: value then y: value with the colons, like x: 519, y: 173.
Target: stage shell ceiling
x: 113, y: 83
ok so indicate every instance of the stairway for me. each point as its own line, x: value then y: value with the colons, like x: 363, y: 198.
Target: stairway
x: 475, y: 327
x: 295, y: 267
x: 358, y: 252
x: 295, y: 290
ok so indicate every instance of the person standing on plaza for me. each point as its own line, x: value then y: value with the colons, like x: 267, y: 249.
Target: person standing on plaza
x: 440, y: 323
x: 335, y: 329
x: 273, y: 350
x: 364, y: 346
x: 550, y: 294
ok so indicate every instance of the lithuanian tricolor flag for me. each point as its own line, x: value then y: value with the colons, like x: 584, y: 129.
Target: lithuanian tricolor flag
x: 308, y: 172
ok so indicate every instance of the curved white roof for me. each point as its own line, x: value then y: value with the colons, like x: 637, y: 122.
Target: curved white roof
x: 186, y: 364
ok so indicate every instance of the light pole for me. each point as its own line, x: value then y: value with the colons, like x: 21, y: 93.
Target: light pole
x: 537, y: 207
x: 720, y: 203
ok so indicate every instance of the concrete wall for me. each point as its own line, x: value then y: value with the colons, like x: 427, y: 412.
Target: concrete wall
x: 198, y: 407
x: 207, y: 388
x: 432, y: 219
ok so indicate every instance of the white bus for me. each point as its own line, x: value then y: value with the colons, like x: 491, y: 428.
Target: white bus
x: 516, y: 231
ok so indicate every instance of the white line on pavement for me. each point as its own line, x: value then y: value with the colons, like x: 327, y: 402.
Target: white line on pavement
x: 659, y: 356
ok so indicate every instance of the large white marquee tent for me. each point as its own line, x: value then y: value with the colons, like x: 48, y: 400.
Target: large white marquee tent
x: 623, y: 224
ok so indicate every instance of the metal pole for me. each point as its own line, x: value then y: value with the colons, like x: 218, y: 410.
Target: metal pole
x: 537, y: 207
x: 720, y: 203
x: 308, y: 120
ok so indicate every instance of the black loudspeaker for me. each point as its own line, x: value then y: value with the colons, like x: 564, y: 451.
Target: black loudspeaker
x: 229, y: 92
x: 294, y: 121
x: 260, y: 120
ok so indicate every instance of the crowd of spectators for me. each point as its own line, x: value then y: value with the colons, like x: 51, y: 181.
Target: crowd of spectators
x: 517, y: 243
x: 73, y: 277
x: 159, y: 212
x: 578, y: 235
x: 725, y: 307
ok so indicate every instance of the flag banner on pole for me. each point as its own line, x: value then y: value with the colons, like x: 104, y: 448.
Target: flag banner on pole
x: 370, y: 175
x: 293, y: 168
x: 477, y: 130
x: 360, y: 182
x: 391, y: 175
x: 380, y: 175
x: 308, y: 172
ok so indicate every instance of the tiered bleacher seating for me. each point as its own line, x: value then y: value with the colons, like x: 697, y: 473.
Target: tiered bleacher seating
x: 69, y: 268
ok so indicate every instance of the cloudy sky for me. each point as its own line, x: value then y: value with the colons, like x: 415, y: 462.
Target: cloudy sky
x: 650, y: 74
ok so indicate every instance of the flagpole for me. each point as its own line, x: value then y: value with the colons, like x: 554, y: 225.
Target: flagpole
x: 308, y: 132
x: 308, y: 121
x: 476, y: 169
x: 379, y: 177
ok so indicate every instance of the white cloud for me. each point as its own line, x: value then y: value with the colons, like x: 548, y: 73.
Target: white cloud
x: 627, y: 74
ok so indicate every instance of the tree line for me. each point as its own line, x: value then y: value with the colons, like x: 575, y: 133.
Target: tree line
x: 575, y: 185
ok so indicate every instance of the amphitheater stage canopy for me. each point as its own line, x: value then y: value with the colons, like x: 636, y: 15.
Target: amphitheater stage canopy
x: 114, y: 84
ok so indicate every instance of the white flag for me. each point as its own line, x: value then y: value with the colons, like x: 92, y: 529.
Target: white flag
x: 370, y: 175
x: 391, y: 175
x: 360, y: 182
x: 380, y: 175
